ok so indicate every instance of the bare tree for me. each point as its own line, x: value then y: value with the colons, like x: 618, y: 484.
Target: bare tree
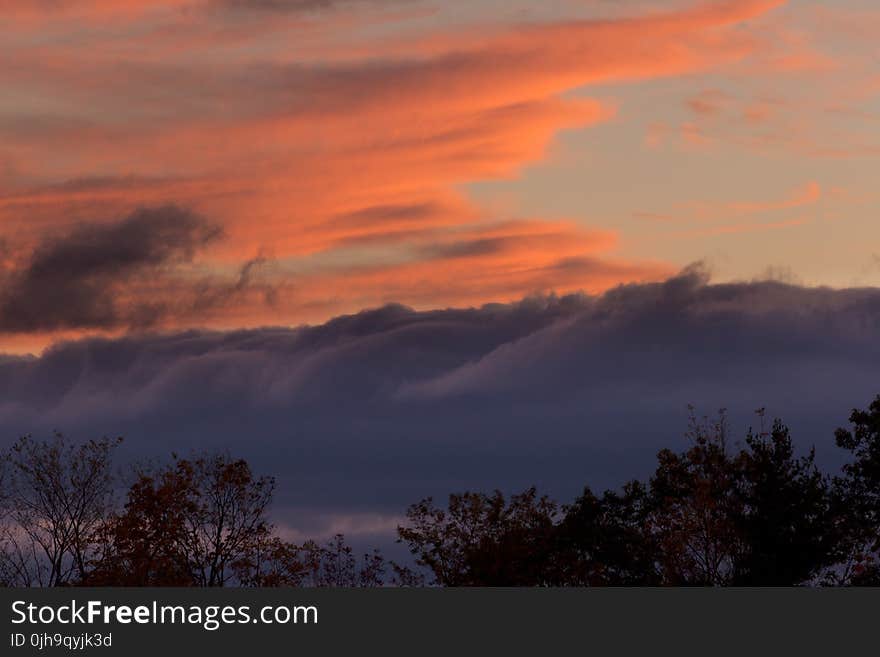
x: 55, y: 497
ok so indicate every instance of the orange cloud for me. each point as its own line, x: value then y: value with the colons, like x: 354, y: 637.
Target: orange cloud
x: 709, y: 102
x: 347, y: 170
x: 747, y: 227
x: 806, y: 195
x: 735, y: 217
x: 702, y: 211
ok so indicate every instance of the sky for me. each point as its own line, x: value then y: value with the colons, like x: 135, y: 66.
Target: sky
x: 336, y: 156
x: 420, y: 245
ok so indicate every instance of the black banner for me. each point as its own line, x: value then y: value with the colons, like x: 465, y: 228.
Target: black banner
x: 416, y: 621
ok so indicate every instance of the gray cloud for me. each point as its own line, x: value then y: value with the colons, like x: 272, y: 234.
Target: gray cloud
x: 468, y: 248
x: 367, y: 216
x: 75, y: 280
x: 366, y: 413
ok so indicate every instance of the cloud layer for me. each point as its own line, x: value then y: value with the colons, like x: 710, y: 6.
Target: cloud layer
x: 366, y: 413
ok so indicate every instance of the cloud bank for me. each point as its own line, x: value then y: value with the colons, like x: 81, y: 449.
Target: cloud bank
x: 364, y: 414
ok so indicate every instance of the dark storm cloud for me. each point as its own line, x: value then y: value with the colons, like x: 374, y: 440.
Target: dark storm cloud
x: 75, y: 280
x: 369, y: 412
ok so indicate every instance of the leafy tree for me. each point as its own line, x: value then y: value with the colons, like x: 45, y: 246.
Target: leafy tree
x: 189, y: 523
x: 693, y: 504
x: 602, y: 541
x: 484, y: 540
x: 783, y: 512
x: 757, y: 517
x: 334, y: 564
x: 272, y: 563
x: 857, y: 499
x: 228, y: 517
x: 147, y: 544
x: 280, y: 563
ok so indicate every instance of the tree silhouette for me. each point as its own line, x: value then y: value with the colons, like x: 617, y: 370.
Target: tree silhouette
x: 147, y: 544
x: 228, y: 516
x: 710, y: 515
x: 483, y: 540
x: 782, y: 513
x: 857, y: 498
x: 281, y: 563
x: 188, y: 524
x: 603, y: 540
x: 55, y: 498
x: 693, y: 507
x: 717, y: 513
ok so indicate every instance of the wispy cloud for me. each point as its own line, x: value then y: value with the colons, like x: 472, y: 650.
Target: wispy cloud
x: 346, y: 166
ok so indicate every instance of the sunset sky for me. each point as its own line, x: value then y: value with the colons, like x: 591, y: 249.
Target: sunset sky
x: 415, y: 246
x: 220, y: 163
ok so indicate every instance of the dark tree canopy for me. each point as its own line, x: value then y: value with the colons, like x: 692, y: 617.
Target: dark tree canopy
x: 715, y: 514
x: 857, y: 497
x: 484, y: 540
